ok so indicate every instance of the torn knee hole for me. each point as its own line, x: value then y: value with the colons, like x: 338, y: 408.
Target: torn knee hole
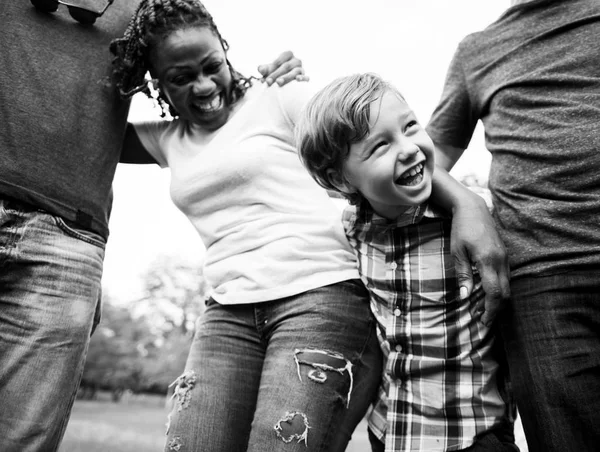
x: 175, y: 444
x: 183, y: 386
x: 293, y: 426
x: 323, y: 361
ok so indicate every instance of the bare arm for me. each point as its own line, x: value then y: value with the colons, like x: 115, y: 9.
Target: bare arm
x: 474, y: 236
x: 133, y: 151
x: 446, y: 156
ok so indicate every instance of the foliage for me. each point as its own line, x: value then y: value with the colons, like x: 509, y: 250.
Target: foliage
x: 142, y: 346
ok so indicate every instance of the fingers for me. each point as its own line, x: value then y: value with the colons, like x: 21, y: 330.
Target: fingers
x: 496, y: 285
x: 267, y: 69
x: 290, y: 75
x: 284, y: 69
x: 464, y: 274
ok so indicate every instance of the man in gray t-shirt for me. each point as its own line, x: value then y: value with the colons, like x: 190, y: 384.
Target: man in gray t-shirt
x: 533, y: 79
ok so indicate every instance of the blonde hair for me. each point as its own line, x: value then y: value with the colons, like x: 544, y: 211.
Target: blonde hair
x: 334, y: 119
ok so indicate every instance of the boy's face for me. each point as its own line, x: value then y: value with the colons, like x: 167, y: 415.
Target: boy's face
x: 392, y: 166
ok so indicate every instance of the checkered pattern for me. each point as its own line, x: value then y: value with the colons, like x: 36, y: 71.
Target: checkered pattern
x: 440, y: 386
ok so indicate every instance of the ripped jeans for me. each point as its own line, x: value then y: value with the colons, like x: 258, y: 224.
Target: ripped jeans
x: 295, y: 374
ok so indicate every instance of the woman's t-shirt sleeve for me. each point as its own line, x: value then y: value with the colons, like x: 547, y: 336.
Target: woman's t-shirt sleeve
x: 150, y: 134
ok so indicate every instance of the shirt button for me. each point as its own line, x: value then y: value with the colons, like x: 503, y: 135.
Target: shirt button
x: 397, y: 312
x: 394, y: 265
x: 398, y: 348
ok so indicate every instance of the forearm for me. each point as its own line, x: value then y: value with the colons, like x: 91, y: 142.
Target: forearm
x: 133, y: 151
x: 450, y: 194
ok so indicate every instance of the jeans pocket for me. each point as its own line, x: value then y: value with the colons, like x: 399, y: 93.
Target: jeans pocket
x: 79, y: 233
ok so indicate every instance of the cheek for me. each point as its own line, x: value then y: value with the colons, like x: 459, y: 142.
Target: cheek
x: 378, y: 180
x: 226, y: 79
x: 427, y: 147
x: 176, y: 98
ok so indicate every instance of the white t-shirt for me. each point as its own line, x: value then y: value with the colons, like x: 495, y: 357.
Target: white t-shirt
x: 269, y: 230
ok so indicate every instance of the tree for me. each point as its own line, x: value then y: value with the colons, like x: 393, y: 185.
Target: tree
x: 115, y: 356
x: 142, y: 346
x: 174, y: 295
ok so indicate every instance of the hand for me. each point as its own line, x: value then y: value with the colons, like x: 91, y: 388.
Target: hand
x: 476, y: 241
x: 283, y: 70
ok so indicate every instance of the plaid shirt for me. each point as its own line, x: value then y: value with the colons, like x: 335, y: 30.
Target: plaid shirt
x: 441, y: 384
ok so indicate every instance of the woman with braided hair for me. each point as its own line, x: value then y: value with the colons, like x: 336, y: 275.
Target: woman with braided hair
x: 285, y: 356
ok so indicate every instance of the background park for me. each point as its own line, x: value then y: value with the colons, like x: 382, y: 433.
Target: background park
x: 153, y: 285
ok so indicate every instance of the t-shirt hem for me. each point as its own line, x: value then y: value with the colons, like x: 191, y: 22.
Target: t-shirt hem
x: 260, y: 296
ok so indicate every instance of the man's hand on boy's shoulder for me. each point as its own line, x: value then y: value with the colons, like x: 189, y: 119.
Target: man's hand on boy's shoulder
x: 475, y: 240
x: 283, y: 70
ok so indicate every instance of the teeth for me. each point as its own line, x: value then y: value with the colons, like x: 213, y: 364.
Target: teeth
x: 412, y: 172
x: 212, y: 105
x: 412, y: 176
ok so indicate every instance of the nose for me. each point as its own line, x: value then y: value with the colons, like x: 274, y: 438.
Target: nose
x: 407, y: 150
x: 203, y: 86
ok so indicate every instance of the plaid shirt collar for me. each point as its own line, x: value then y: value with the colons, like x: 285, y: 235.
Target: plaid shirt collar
x: 365, y: 218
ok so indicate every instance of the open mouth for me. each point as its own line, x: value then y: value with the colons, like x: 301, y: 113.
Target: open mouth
x: 413, y: 176
x: 211, y: 105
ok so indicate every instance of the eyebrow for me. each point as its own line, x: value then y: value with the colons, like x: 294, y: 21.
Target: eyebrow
x: 366, y: 145
x: 203, y: 62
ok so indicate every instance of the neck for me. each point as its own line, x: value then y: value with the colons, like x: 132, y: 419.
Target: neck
x: 389, y: 212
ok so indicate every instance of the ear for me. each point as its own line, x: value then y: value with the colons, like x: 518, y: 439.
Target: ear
x: 339, y: 181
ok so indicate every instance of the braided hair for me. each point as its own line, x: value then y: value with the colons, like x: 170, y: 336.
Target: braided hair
x: 153, y: 21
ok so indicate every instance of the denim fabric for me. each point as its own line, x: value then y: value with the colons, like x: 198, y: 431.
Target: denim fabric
x: 552, y: 336
x: 49, y: 291
x: 250, y: 374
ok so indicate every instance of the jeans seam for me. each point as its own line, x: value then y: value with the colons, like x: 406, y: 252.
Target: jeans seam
x: 63, y: 226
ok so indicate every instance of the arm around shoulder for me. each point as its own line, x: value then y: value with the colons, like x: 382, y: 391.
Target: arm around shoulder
x: 474, y: 241
x: 133, y: 151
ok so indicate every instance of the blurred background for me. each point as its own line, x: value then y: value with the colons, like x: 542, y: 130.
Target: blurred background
x: 153, y: 285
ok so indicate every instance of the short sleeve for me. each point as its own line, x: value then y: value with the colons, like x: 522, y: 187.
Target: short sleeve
x: 150, y: 134
x: 455, y: 118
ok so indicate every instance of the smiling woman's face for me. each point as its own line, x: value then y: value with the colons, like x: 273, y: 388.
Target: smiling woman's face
x: 193, y: 74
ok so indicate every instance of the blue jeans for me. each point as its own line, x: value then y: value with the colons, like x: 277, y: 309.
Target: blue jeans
x: 552, y: 336
x: 295, y: 374
x: 49, y: 298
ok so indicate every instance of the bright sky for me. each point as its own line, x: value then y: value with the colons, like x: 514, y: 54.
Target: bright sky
x: 409, y: 43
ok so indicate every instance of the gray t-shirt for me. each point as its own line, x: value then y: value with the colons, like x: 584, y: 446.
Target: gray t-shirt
x: 62, y: 123
x: 533, y: 79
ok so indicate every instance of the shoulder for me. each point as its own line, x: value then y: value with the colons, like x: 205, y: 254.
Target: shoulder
x: 290, y: 98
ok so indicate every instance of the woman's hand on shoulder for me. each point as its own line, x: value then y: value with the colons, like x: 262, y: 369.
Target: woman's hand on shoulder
x: 286, y: 68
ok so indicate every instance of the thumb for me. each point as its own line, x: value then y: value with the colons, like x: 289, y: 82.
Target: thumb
x: 464, y: 275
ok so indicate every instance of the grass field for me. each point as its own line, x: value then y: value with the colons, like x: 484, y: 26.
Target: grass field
x: 138, y: 425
